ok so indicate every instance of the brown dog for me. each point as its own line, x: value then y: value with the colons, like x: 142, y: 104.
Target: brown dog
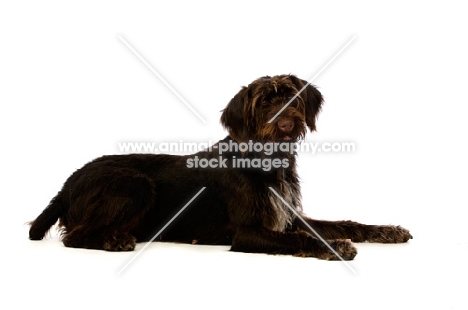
x: 251, y: 198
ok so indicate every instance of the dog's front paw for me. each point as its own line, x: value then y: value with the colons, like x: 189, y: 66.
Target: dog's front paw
x: 389, y: 234
x: 343, y: 247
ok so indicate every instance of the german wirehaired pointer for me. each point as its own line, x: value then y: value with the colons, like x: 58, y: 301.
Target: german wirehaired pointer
x: 115, y: 201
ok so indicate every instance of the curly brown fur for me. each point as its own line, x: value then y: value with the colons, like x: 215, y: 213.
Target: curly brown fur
x: 115, y: 201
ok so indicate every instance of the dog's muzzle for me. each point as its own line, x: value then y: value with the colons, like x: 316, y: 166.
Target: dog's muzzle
x: 286, y: 125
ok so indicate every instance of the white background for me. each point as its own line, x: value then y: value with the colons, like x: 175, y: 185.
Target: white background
x: 70, y: 91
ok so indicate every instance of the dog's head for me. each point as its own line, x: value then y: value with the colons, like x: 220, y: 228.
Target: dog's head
x: 258, y: 111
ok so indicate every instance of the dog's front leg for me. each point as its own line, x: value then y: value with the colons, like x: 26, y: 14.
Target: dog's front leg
x: 261, y: 240
x: 357, y: 232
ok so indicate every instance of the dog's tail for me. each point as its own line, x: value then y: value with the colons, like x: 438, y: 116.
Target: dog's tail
x: 41, y: 225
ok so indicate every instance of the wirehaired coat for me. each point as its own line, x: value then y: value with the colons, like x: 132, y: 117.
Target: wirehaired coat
x: 115, y: 201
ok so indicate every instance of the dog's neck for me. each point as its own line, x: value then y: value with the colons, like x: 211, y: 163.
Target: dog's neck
x: 269, y: 149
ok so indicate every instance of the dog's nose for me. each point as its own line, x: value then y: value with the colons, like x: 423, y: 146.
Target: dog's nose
x: 286, y: 124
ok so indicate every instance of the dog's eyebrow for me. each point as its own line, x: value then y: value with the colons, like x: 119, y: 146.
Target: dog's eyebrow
x: 288, y: 103
x: 313, y: 78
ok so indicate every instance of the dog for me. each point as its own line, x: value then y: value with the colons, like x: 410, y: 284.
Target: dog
x: 245, y: 197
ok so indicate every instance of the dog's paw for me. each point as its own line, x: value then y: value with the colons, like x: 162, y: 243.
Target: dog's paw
x: 343, y: 247
x: 120, y: 242
x: 389, y: 234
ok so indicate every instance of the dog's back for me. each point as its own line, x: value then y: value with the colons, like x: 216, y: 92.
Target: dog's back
x: 125, y: 198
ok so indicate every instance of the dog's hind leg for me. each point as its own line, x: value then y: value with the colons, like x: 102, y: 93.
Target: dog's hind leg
x: 100, y: 240
x: 105, y: 214
x: 105, y: 233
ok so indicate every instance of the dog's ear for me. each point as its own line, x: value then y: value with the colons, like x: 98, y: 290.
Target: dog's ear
x: 232, y: 117
x: 312, y: 99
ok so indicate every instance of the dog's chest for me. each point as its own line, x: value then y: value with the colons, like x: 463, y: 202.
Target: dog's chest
x: 282, y: 215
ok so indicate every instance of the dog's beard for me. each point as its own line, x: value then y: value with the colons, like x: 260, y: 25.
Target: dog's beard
x: 275, y: 135
x: 271, y: 133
